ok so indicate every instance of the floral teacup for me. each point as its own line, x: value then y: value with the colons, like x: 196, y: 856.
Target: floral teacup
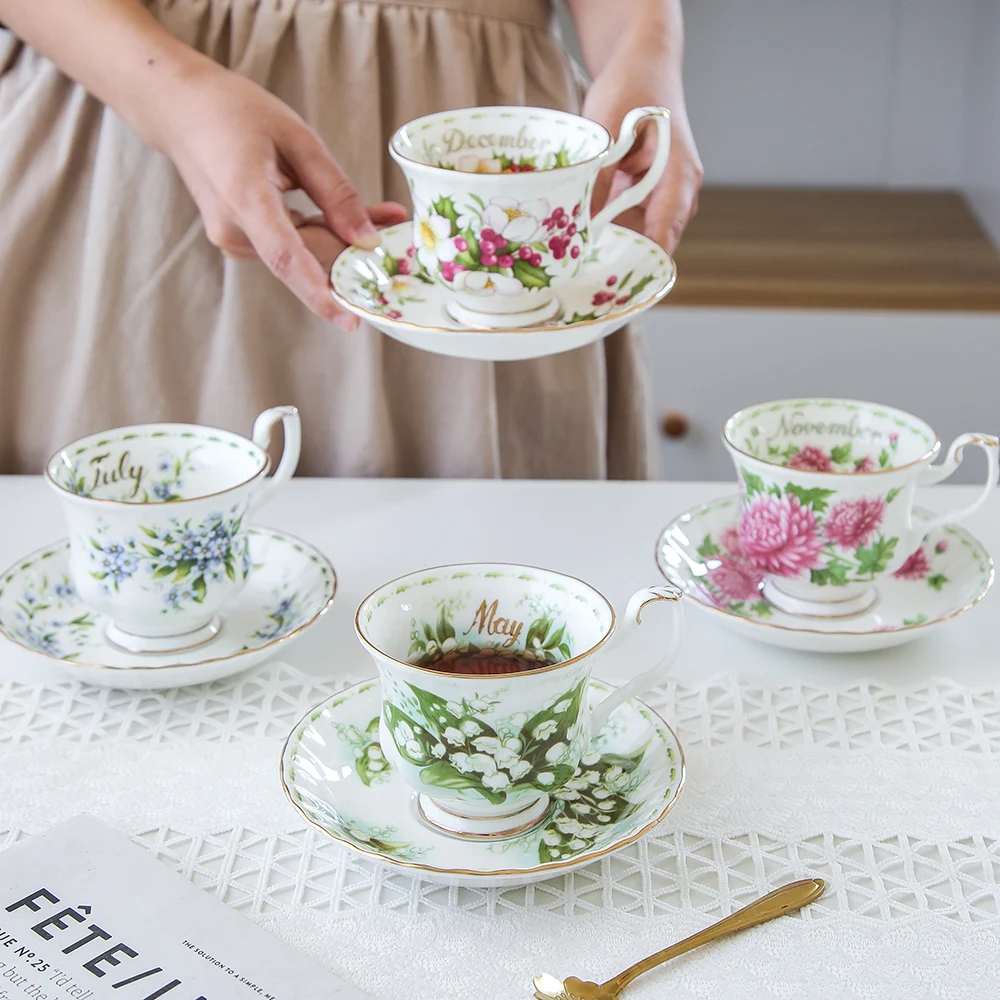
x: 828, y: 488
x: 501, y: 202
x: 485, y: 752
x: 159, y: 520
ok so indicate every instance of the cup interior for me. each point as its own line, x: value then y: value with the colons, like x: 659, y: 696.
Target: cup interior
x: 830, y: 436
x: 155, y: 463
x: 500, y: 140
x: 542, y: 615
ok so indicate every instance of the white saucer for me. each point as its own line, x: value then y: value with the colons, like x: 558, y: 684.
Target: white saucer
x: 290, y: 586
x: 333, y: 771
x: 623, y: 275
x: 950, y: 574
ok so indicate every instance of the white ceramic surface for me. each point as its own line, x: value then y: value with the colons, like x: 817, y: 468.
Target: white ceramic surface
x: 828, y: 490
x: 486, y: 748
x: 289, y: 587
x: 948, y: 573
x: 159, y: 518
x: 334, y: 771
x: 623, y: 275
x: 501, y: 201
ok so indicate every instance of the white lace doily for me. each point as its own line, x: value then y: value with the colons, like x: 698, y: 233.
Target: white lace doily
x: 892, y: 796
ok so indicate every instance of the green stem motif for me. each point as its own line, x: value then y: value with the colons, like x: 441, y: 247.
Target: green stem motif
x: 457, y: 746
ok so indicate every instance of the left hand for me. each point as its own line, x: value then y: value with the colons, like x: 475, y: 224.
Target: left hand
x: 670, y: 206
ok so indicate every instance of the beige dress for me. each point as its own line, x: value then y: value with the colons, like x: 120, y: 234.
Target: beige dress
x: 115, y: 308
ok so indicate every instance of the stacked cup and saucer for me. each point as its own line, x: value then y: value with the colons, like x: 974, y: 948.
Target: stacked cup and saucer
x: 502, y: 260
x: 484, y: 753
x: 824, y: 547
x: 164, y: 580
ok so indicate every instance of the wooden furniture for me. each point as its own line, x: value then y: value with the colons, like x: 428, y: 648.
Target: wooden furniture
x: 815, y: 248
x: 871, y: 294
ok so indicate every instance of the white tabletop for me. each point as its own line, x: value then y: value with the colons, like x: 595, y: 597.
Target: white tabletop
x: 604, y: 533
x: 877, y: 772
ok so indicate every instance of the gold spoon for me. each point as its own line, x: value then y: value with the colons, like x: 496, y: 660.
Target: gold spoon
x: 784, y: 900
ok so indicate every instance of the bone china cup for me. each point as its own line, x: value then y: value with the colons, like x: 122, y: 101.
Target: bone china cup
x: 828, y: 488
x: 501, y: 202
x: 486, y: 751
x: 159, y: 518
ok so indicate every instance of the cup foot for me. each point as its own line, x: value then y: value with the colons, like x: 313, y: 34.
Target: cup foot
x: 819, y: 609
x: 133, y: 643
x: 503, y: 321
x: 513, y: 824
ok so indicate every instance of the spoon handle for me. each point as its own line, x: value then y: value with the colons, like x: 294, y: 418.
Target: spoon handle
x: 784, y: 900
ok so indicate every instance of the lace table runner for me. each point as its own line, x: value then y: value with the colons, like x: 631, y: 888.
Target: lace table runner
x: 891, y: 795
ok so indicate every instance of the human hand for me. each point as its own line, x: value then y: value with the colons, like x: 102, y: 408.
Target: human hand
x: 635, y: 78
x: 239, y: 149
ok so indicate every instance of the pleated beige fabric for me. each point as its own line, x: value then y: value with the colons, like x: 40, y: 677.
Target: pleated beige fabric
x: 115, y: 309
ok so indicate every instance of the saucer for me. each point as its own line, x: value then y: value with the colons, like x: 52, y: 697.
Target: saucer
x: 624, y: 274
x: 950, y: 573
x: 290, y: 586
x: 333, y: 771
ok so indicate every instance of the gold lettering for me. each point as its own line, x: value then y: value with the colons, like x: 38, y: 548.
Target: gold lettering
x: 486, y: 620
x: 121, y: 473
x: 454, y: 139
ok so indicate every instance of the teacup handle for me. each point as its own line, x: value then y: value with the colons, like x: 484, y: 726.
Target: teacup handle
x: 644, y: 681
x: 262, y: 426
x: 935, y: 473
x: 626, y: 140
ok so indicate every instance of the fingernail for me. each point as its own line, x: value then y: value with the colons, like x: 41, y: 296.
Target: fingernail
x: 367, y: 237
x: 346, y: 322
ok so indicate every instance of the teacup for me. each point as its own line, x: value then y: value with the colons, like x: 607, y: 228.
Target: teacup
x: 485, y: 752
x: 828, y: 489
x: 159, y: 520
x: 501, y: 201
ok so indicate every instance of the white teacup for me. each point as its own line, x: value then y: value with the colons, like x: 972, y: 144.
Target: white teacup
x: 159, y: 519
x: 485, y: 751
x: 828, y: 490
x: 501, y: 200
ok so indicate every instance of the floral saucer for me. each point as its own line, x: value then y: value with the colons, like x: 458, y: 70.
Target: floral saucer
x: 623, y: 274
x: 334, y: 772
x: 700, y: 553
x: 290, y: 586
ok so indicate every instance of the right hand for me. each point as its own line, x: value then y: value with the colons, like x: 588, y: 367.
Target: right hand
x: 238, y: 149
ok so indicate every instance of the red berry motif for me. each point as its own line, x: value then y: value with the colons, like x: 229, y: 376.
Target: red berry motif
x: 601, y: 298
x: 612, y: 279
x: 524, y: 253
x: 505, y: 260
x: 403, y: 265
x: 461, y: 244
x: 574, y: 253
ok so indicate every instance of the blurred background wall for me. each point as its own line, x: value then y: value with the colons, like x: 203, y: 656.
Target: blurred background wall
x: 847, y: 243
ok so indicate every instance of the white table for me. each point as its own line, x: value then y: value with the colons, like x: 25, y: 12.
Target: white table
x: 604, y: 533
x: 880, y: 772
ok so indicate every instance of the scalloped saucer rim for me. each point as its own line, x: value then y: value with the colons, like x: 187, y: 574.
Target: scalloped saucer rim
x: 198, y: 664
x: 832, y: 634
x: 587, y: 295
x: 485, y: 869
